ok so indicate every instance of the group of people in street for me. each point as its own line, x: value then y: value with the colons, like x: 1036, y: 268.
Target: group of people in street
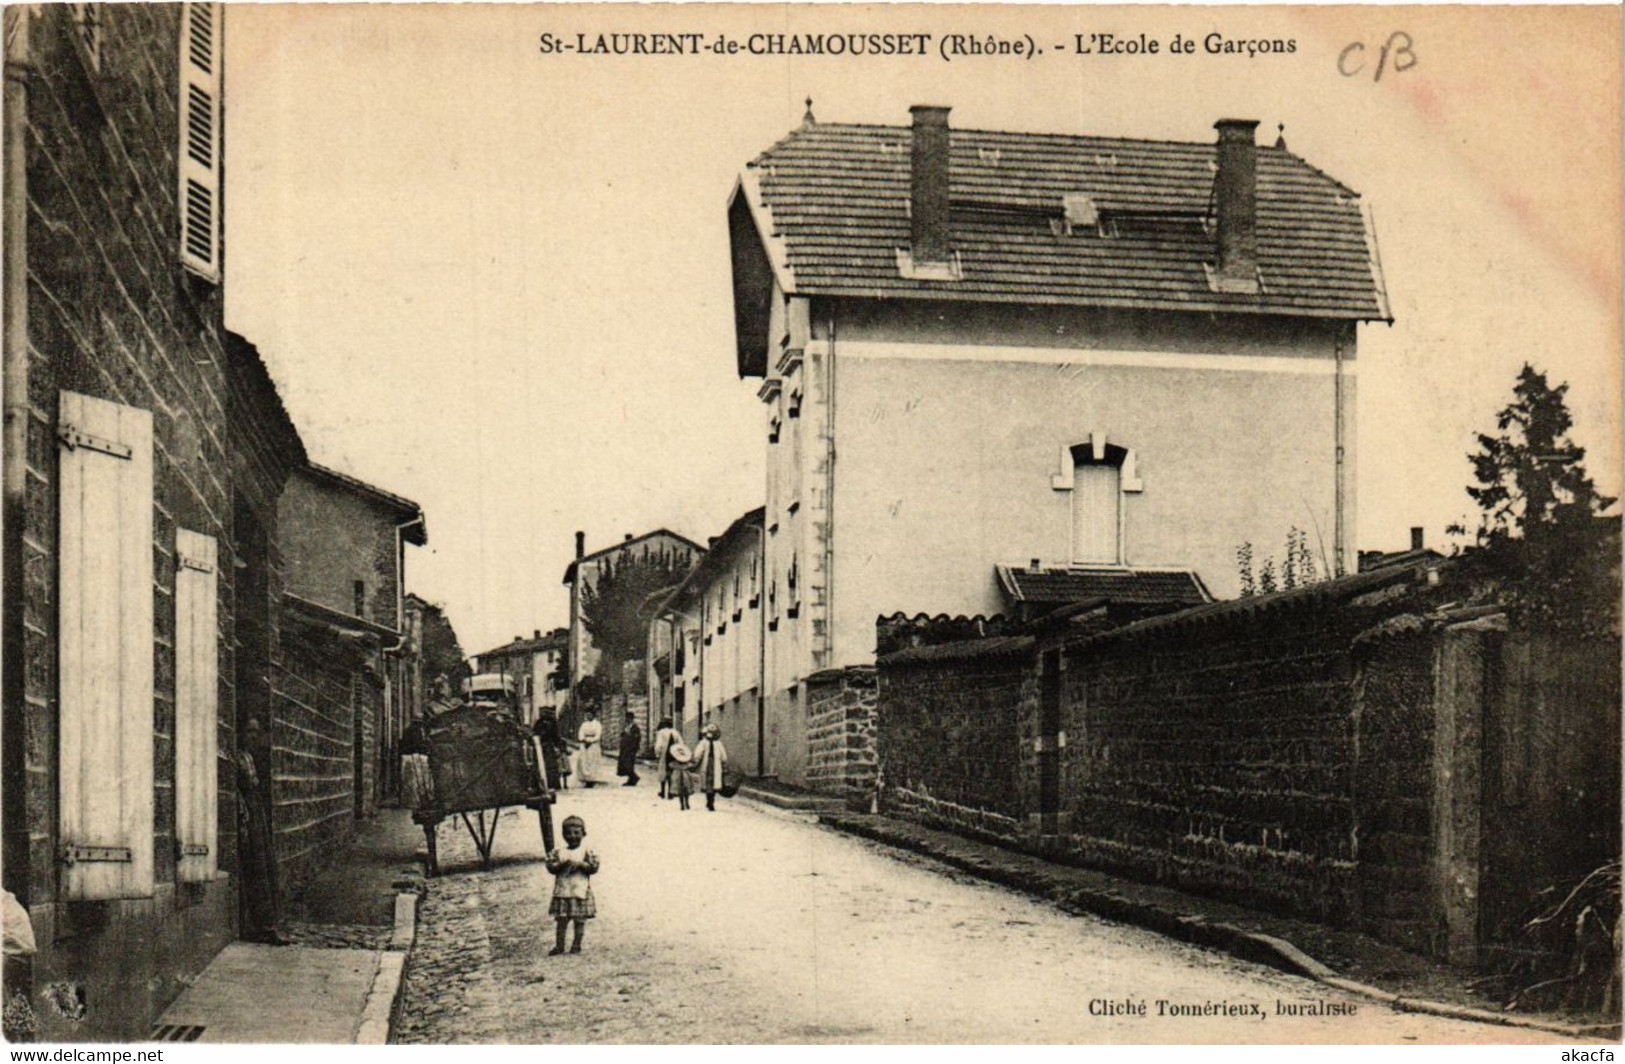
x: 582, y: 762
x: 681, y: 771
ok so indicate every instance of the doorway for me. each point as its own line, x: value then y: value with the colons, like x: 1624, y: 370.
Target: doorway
x: 1050, y: 741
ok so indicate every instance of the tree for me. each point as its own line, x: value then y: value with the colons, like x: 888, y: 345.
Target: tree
x: 442, y: 654
x: 1543, y: 530
x: 617, y: 607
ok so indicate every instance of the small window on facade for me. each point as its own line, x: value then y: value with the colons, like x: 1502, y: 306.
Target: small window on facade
x: 790, y: 580
x: 1097, y: 513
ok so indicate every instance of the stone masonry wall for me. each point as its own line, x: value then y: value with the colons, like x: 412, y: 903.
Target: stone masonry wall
x: 1217, y: 757
x: 841, y: 726
x: 949, y: 741
x: 1394, y: 782
x: 112, y: 314
x: 325, y: 698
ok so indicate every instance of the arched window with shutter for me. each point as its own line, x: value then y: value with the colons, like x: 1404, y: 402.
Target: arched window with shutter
x: 1097, y: 513
x: 199, y: 176
x: 1097, y: 474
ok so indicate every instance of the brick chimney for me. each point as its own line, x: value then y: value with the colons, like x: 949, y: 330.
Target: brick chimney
x: 1235, y: 193
x: 581, y: 545
x: 928, y: 186
x: 1416, y: 539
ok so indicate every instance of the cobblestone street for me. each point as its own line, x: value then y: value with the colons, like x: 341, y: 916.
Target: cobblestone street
x: 752, y: 926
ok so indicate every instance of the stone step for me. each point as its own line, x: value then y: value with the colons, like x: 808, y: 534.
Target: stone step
x: 781, y: 797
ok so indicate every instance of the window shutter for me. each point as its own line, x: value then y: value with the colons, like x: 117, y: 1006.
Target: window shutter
x: 105, y: 650
x: 200, y: 56
x: 1095, y: 500
x: 197, y: 701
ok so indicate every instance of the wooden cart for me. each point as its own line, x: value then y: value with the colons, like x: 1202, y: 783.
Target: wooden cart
x: 482, y: 761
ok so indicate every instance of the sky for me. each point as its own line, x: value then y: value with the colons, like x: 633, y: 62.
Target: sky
x: 496, y: 281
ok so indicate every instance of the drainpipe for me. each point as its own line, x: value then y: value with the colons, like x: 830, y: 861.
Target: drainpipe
x: 761, y: 657
x: 829, y: 499
x: 15, y: 452
x: 1337, y: 438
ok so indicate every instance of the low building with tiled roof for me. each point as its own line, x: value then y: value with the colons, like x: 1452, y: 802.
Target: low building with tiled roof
x: 535, y: 664
x: 1036, y: 589
x: 1121, y: 358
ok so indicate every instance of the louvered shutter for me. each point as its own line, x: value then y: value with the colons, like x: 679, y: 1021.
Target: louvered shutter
x: 197, y: 701
x: 105, y: 597
x: 1095, y: 498
x: 200, y: 57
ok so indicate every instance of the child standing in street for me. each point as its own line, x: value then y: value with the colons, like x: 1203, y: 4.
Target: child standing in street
x: 573, y: 868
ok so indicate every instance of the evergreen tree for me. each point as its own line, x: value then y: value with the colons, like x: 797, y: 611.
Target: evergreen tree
x: 1542, y: 529
x: 617, y: 607
x: 443, y: 656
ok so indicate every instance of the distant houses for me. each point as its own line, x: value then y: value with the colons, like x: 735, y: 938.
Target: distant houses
x: 647, y: 567
x: 536, y: 666
x: 706, y: 642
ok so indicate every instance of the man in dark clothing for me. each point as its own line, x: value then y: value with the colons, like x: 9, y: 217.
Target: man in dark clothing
x: 631, y: 742
x: 555, y: 752
x: 256, y: 858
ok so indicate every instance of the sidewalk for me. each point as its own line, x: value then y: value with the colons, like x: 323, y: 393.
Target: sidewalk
x: 1344, y: 959
x: 338, y: 981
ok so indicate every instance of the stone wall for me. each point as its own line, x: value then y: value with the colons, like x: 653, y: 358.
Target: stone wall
x: 1216, y: 757
x: 336, y: 537
x: 841, y: 727
x: 949, y: 735
x: 1394, y: 779
x: 326, y: 699
x: 1280, y: 751
x: 111, y: 313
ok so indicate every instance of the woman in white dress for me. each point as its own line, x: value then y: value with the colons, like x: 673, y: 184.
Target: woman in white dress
x: 590, y: 758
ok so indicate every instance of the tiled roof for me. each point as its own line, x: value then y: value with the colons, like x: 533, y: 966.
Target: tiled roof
x: 570, y: 570
x: 416, y: 532
x: 1343, y: 589
x: 1061, y: 585
x: 557, y: 639
x: 1376, y: 559
x: 745, y: 531
x: 834, y: 199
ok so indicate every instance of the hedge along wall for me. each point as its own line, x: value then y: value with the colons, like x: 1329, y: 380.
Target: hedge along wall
x: 949, y: 735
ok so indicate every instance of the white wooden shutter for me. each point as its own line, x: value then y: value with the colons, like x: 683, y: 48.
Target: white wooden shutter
x: 197, y: 701
x: 1095, y: 499
x: 200, y: 58
x: 105, y: 650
